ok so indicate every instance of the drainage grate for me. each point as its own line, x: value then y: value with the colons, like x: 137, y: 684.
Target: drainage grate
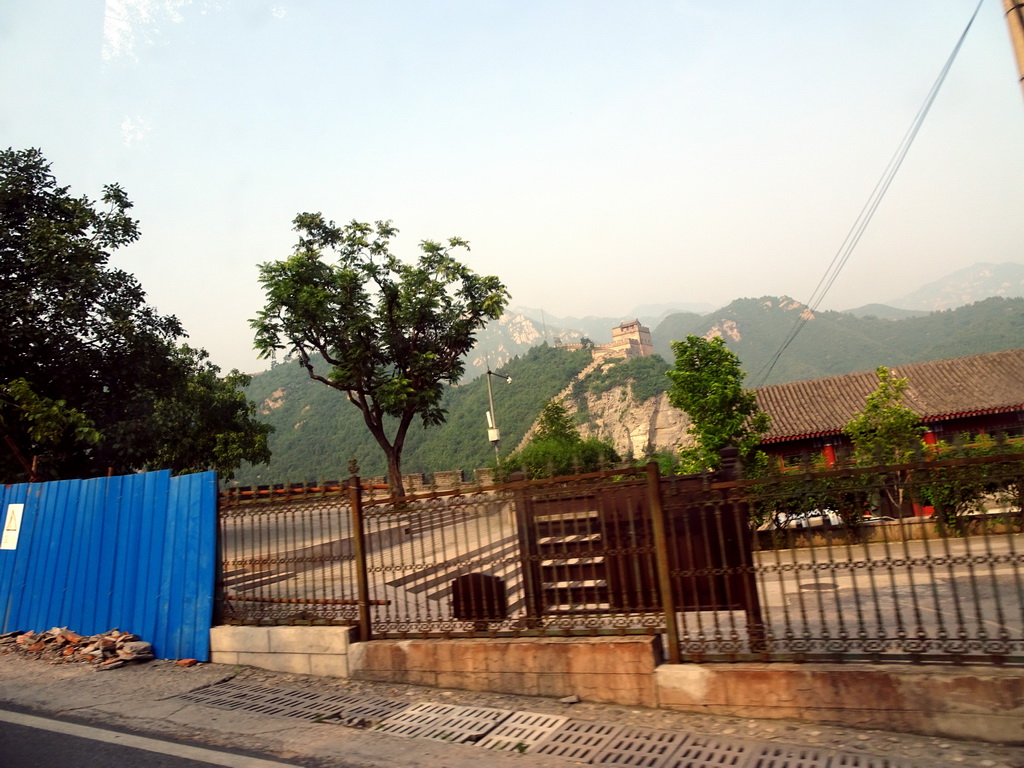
x: 228, y: 695
x: 466, y: 725
x: 856, y: 760
x: 521, y: 731
x: 641, y: 748
x: 789, y: 756
x: 295, y: 704
x: 304, y: 705
x: 578, y: 740
x: 712, y: 752
x: 411, y: 720
x: 363, y: 712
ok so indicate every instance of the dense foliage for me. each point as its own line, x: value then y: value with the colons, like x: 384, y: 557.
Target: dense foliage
x: 707, y: 384
x: 92, y: 379
x: 960, y: 489
x: 644, y: 376
x: 556, y: 449
x: 886, y: 431
x: 317, y: 432
x: 387, y: 334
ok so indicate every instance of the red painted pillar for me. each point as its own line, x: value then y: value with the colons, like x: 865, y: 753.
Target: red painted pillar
x: 929, y: 438
x: 829, y: 452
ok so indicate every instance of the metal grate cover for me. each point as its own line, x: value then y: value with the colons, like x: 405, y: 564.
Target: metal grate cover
x: 227, y: 695
x: 713, y: 752
x: 578, y: 740
x: 466, y: 725
x: 552, y: 735
x: 413, y: 719
x: 639, y: 747
x: 789, y: 756
x: 283, y: 702
x: 521, y: 731
x: 858, y: 760
x: 365, y: 712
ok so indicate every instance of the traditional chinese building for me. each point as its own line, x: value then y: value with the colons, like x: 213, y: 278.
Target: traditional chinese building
x: 976, y: 394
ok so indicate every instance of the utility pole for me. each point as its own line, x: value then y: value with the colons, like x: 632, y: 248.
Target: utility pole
x: 1015, y: 20
x: 492, y: 421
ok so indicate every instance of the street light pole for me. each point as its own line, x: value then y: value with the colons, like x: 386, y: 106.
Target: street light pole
x: 492, y: 421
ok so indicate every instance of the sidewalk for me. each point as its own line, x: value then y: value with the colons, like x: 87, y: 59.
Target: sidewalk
x: 322, y: 722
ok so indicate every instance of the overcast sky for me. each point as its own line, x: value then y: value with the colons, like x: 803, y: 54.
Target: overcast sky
x: 597, y: 155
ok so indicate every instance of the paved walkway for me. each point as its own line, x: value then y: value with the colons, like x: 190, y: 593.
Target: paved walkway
x: 321, y: 722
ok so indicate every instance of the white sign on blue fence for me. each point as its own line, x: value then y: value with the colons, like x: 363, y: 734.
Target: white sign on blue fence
x: 12, y: 525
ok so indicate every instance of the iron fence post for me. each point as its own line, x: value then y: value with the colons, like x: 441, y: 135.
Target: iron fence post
x: 661, y: 556
x: 218, y: 574
x: 359, y: 546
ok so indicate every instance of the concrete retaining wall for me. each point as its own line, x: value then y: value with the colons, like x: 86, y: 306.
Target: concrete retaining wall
x: 320, y: 651
x: 615, y: 670
x: 985, y: 703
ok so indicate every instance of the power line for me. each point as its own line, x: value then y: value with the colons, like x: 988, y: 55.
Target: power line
x: 868, y: 211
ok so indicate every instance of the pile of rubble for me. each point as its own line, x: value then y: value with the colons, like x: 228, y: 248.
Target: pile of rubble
x: 60, y: 645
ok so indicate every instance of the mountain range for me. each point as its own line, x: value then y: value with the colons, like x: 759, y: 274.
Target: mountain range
x: 522, y: 327
x: 317, y: 431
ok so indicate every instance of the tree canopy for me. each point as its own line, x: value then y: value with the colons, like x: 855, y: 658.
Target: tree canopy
x: 886, y: 431
x: 707, y: 383
x: 91, y: 377
x: 556, y: 449
x: 387, y: 334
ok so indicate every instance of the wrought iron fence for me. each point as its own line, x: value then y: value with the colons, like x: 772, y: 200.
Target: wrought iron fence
x: 287, y: 556
x: 746, y: 569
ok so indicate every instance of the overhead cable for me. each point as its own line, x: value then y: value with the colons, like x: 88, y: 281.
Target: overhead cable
x: 868, y: 211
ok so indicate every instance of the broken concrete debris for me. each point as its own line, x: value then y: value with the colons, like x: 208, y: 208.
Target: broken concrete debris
x: 108, y: 650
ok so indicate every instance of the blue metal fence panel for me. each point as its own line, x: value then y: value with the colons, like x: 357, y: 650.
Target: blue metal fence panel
x: 135, y: 552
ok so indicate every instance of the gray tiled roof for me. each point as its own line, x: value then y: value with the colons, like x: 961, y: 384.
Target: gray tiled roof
x: 937, y: 390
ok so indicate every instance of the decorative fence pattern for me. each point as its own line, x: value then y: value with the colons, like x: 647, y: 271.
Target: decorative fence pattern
x: 741, y: 575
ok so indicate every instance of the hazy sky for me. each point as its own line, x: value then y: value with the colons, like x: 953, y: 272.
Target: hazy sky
x: 597, y: 155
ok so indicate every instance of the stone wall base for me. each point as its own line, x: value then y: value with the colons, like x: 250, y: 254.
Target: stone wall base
x: 320, y: 651
x: 602, y: 669
x: 970, y: 702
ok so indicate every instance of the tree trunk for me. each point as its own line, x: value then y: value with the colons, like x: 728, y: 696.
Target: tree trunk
x: 392, y: 450
x: 394, y: 471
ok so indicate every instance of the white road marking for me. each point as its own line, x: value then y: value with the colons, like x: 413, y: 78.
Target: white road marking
x: 210, y: 756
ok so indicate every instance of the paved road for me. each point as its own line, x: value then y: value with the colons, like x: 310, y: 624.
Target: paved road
x: 38, y: 742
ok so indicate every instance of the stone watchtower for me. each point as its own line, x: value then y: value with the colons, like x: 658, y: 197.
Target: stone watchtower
x: 630, y: 339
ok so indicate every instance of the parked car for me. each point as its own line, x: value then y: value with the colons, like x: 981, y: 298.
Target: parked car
x: 816, y: 518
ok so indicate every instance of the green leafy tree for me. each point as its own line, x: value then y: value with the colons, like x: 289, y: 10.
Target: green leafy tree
x: 958, y: 489
x: 556, y: 448
x: 46, y: 421
x: 208, y: 423
x: 555, y: 423
x: 387, y: 334
x: 886, y: 433
x: 707, y: 383
x: 86, y: 365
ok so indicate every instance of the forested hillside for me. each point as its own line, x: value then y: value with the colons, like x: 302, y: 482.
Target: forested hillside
x: 318, y: 431
x: 832, y: 343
